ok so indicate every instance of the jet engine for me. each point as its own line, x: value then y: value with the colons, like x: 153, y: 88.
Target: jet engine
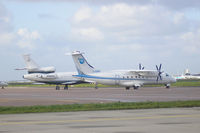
x: 42, y: 70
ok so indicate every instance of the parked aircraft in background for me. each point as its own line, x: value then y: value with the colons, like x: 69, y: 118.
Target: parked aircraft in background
x: 33, y: 67
x: 3, y: 84
x: 58, y: 78
x: 187, y: 75
x: 126, y: 78
x: 48, y: 75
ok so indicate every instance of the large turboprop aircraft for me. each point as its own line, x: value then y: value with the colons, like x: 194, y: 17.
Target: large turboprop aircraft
x: 33, y: 67
x: 3, y: 84
x: 126, y: 78
x: 48, y: 75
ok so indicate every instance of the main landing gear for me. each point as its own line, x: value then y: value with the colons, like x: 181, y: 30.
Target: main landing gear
x: 66, y: 87
x: 96, y: 86
x: 58, y: 87
x: 167, y: 86
x: 134, y: 87
x: 127, y: 88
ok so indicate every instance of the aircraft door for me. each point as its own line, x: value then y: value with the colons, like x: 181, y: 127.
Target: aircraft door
x: 117, y: 79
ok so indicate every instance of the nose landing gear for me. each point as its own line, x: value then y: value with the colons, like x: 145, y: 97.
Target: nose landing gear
x: 167, y: 86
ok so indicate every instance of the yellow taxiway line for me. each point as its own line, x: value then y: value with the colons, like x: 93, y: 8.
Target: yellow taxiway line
x: 100, y: 119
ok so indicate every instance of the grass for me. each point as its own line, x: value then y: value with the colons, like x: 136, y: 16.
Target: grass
x: 97, y: 106
x: 185, y: 83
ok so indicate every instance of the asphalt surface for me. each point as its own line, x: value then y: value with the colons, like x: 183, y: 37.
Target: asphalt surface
x: 27, y: 96
x: 177, y: 120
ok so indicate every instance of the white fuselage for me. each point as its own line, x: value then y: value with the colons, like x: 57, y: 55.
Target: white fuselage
x: 123, y: 78
x: 53, y: 78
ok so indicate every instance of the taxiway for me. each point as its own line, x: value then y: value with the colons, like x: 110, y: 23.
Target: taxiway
x: 176, y: 120
x: 27, y: 96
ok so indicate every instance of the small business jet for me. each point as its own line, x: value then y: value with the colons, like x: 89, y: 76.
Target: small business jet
x: 3, y: 84
x: 48, y: 75
x: 58, y: 78
x: 33, y: 67
x: 126, y: 78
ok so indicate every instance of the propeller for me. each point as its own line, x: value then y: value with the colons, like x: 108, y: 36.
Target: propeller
x: 159, y: 72
x: 141, y: 67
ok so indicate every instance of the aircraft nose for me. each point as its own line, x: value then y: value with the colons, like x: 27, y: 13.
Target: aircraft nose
x: 173, y: 79
x: 24, y: 76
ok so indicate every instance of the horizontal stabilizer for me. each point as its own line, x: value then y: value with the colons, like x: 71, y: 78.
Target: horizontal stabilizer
x: 20, y: 69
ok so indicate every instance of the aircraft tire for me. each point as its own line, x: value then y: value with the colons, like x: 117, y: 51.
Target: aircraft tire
x: 127, y: 88
x: 135, y: 87
x: 57, y: 87
x: 66, y: 87
x: 167, y: 86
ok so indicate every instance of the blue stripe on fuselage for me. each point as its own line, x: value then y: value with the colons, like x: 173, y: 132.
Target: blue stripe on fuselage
x: 112, y: 78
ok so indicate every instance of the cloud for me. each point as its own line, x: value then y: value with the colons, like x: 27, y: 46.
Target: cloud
x: 127, y: 23
x: 191, y: 42
x: 150, y: 34
x: 6, y: 35
x: 82, y: 14
x: 179, y: 4
x: 5, y: 20
x: 47, y: 16
x: 6, y: 38
x: 172, y: 4
x: 87, y: 34
x: 91, y: 1
x: 27, y: 38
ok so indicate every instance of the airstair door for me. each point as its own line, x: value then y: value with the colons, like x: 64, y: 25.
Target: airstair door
x: 117, y: 79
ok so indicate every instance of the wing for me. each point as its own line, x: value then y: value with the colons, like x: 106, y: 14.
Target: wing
x: 147, y: 73
x: 73, y: 82
x: 81, y: 77
x: 70, y: 83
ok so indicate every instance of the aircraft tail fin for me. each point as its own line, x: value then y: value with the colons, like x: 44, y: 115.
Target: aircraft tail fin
x: 32, y: 67
x: 30, y: 63
x: 187, y: 72
x: 82, y: 66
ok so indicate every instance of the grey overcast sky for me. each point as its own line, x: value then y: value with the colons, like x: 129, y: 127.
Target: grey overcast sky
x: 113, y: 34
